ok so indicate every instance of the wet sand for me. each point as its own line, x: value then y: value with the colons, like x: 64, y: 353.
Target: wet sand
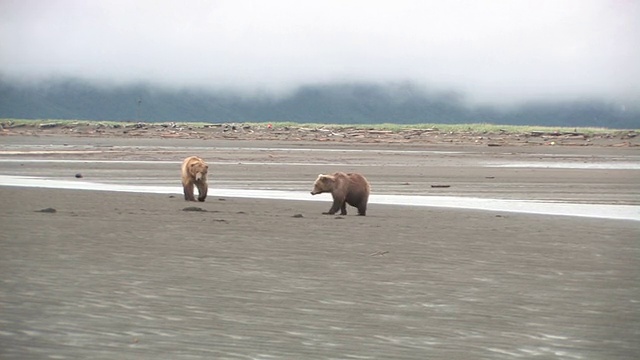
x: 134, y: 276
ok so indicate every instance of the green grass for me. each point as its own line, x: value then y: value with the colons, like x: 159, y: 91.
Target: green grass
x: 478, y: 128
x: 62, y: 122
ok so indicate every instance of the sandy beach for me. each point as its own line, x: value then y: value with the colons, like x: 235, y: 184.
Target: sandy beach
x: 104, y: 275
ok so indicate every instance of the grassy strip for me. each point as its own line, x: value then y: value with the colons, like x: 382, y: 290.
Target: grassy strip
x: 479, y: 128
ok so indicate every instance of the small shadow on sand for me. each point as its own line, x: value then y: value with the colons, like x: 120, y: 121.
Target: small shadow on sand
x: 194, y: 208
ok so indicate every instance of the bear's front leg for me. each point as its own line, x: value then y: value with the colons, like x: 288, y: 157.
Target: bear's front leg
x: 334, y: 208
x: 202, y: 191
x: 343, y: 208
x: 188, y: 192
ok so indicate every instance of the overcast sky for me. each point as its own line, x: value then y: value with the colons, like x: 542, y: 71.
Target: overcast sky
x: 490, y: 50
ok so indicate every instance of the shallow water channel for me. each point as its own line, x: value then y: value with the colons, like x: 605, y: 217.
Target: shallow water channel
x: 620, y: 212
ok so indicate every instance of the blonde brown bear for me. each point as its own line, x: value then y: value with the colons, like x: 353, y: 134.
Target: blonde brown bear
x: 352, y: 189
x: 194, y: 172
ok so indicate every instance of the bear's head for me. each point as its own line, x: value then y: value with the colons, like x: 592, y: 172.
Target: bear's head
x: 324, y: 183
x: 199, y: 170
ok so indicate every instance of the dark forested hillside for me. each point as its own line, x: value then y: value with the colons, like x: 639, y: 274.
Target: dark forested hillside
x: 337, y: 103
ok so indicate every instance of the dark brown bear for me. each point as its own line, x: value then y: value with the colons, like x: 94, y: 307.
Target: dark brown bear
x: 352, y: 189
x: 194, y: 172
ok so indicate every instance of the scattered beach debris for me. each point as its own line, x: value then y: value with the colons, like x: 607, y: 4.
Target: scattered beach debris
x: 329, y: 133
x: 48, y: 126
x: 440, y: 186
x: 298, y: 216
x: 79, y: 176
x: 47, y: 210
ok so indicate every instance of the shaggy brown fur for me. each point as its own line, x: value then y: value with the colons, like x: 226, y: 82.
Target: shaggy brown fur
x: 352, y: 189
x: 194, y: 172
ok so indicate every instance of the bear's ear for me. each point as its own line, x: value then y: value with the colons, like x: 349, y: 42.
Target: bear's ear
x: 321, y: 178
x: 325, y: 177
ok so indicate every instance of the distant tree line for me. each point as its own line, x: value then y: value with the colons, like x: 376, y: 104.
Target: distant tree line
x: 334, y: 103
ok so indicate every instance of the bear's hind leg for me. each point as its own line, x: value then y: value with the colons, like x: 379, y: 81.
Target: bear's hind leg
x: 362, y: 209
x: 343, y: 208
